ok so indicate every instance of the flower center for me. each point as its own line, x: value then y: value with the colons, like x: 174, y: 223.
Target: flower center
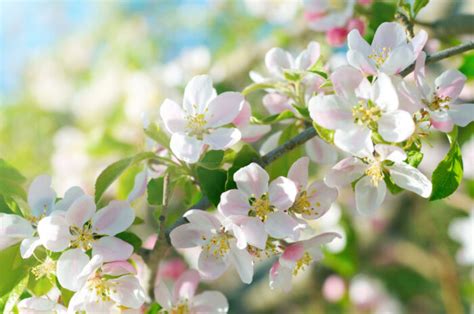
x: 47, y: 268
x: 302, y: 263
x: 196, y: 125
x: 261, y: 207
x: 82, y: 237
x: 375, y: 172
x: 101, y: 287
x: 437, y: 103
x: 367, y: 115
x: 182, y: 308
x: 302, y: 205
x: 379, y: 57
x: 218, y: 245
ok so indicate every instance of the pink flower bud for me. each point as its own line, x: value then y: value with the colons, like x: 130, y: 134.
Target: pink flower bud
x: 357, y: 24
x: 334, y: 288
x: 336, y: 36
x: 312, y: 16
x: 171, y: 269
x: 365, y: 2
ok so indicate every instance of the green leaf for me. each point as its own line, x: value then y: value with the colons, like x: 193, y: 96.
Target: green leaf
x: 382, y: 11
x: 414, y: 158
x: 138, y: 221
x: 13, y: 268
x: 8, y: 302
x: 212, y: 183
x: 418, y: 5
x: 155, y: 191
x: 131, y: 238
x: 287, y: 114
x: 41, y: 286
x: 320, y: 73
x: 326, y: 134
x: 302, y: 111
x: 212, y: 159
x: 467, y: 68
x: 154, y: 308
x: 391, y: 186
x: 256, y: 86
x: 245, y: 156
x: 113, y: 171
x: 448, y: 174
x: 292, y: 76
x: 154, y: 132
x: 11, y: 181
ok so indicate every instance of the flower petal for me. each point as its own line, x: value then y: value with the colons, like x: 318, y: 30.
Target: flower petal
x: 222, y: 138
x: 186, y: 285
x: 112, y: 249
x: 344, y: 172
x: 127, y: 292
x: 281, y: 225
x: 242, y: 262
x: 163, y: 295
x: 384, y: 93
x: 320, y: 152
x: 450, y: 84
x: 80, y: 211
x: 410, y: 178
x: 210, y: 266
x: 197, y: 94
x: 418, y: 42
x: 321, y: 198
x: 252, y: 180
x: 298, y: 172
x: 139, y: 185
x: 41, y: 196
x: 441, y: 120
x: 202, y: 219
x: 69, y: 265
x: 13, y: 229
x: 331, y: 111
x: 186, y: 148
x: 356, y: 140
x: 308, y: 57
x: 282, y: 193
x: 399, y: 59
x: 69, y: 197
x: 361, y: 62
x: 389, y: 35
x: 209, y: 302
x: 389, y: 152
x: 369, y: 197
x: 173, y: 116
x: 280, y: 277
x: 233, y: 202
x: 277, y: 60
x: 28, y: 246
x: 54, y: 233
x: 113, y: 218
x: 357, y: 43
x: 252, y: 133
x: 187, y: 236
x: 223, y: 109
x: 345, y: 80
x: 292, y: 254
x: 461, y: 114
x: 252, y: 231
x: 276, y: 103
x: 396, y: 126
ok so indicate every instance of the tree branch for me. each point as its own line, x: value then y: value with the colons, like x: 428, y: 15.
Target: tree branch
x: 440, y: 55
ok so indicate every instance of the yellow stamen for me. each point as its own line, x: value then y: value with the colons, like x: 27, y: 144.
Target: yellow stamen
x: 101, y: 287
x: 261, y: 207
x: 218, y: 245
x: 196, y: 124
x: 182, y: 308
x: 302, y: 205
x: 437, y: 103
x: 302, y: 263
x: 380, y: 57
x: 48, y: 267
x: 83, y: 237
x: 366, y: 115
x: 375, y: 172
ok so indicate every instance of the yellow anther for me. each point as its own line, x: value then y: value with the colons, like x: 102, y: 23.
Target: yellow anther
x: 381, y: 56
x: 302, y: 263
x: 375, y: 172
x: 302, y: 205
x: 82, y: 237
x: 218, y: 245
x: 437, y: 103
x: 48, y: 267
x: 261, y: 207
x: 365, y: 115
x: 196, y: 124
x: 181, y: 308
x: 101, y: 287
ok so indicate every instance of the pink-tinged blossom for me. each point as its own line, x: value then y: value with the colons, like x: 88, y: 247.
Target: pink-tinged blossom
x: 40, y: 305
x: 336, y: 36
x: 182, y: 297
x: 171, y: 269
x: 98, y: 287
x: 250, y: 132
x: 322, y: 15
x: 439, y: 97
x: 313, y: 200
x: 390, y: 51
x: 256, y: 204
x: 334, y: 288
x: 200, y: 121
x: 81, y: 226
x: 296, y: 257
x: 359, y: 108
x: 370, y: 189
x: 42, y: 203
x: 220, y: 246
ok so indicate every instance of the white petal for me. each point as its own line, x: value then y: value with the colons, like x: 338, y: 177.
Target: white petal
x: 281, y: 225
x: 222, y: 138
x: 139, y: 185
x: 410, y: 178
x: 224, y: 109
x: 462, y: 114
x: 203, y: 219
x: 28, y: 246
x: 252, y: 231
x: 41, y: 196
x: 396, y: 126
x: 389, y: 152
x: 80, y: 211
x: 419, y: 41
x: 69, y: 265
x: 163, y: 295
x: 54, y: 233
x: 356, y: 42
x: 113, y: 218
x: 188, y: 236
x: 210, y: 266
x: 112, y: 249
x: 308, y: 57
x: 173, y: 116
x: 356, y: 140
x: 320, y: 152
x: 13, y: 229
x: 280, y: 277
x: 233, y: 202
x: 321, y: 198
x: 369, y: 197
x: 441, y: 120
x: 345, y: 80
x: 389, y: 35
x: 345, y: 172
x: 186, y: 285
x: 361, y: 62
x: 252, y: 133
x: 197, y: 94
x: 400, y: 58
x: 332, y: 111
x: 69, y: 197
x: 298, y: 172
x: 277, y: 60
x: 186, y: 148
x: 127, y: 292
x: 282, y: 193
x: 212, y: 302
x: 242, y: 262
x: 252, y: 180
x: 384, y: 93
x: 450, y: 84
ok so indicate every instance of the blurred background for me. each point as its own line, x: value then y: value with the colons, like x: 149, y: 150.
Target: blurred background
x: 79, y: 77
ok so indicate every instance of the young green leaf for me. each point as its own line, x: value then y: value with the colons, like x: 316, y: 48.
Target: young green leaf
x: 154, y: 132
x: 11, y: 181
x: 418, y: 5
x: 212, y: 183
x: 448, y: 174
x: 256, y: 86
x: 212, y: 159
x: 155, y: 191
